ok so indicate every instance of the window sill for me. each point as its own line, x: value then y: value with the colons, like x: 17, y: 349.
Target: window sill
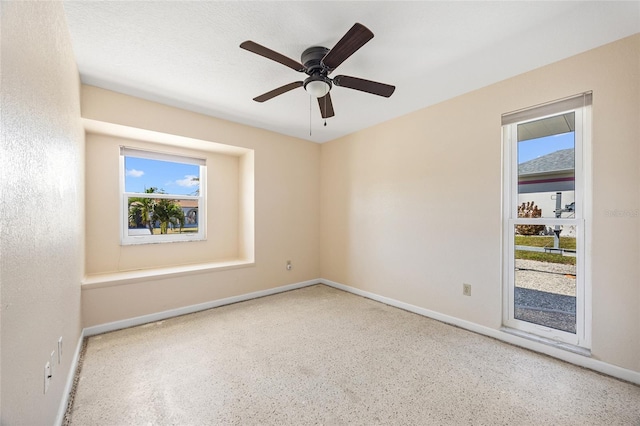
x: 130, y: 277
x: 560, y: 345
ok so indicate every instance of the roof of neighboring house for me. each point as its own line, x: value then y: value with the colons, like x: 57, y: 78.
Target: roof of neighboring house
x: 555, y: 161
x: 188, y: 203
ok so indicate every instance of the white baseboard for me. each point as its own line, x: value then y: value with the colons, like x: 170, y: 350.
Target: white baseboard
x: 144, y: 319
x: 573, y: 358
x: 62, y: 410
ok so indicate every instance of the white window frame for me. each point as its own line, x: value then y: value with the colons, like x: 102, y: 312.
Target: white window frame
x: 581, y: 105
x: 125, y: 238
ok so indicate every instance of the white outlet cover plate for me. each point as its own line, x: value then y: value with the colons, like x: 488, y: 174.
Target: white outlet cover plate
x: 47, y: 376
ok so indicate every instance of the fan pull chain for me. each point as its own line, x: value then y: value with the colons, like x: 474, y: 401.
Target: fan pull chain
x: 309, y: 115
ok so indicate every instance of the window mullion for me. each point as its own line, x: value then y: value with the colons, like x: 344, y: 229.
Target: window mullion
x: 155, y: 195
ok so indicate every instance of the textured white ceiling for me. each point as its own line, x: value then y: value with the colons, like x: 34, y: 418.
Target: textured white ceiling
x: 187, y: 54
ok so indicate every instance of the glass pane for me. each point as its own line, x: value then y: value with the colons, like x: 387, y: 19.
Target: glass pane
x: 160, y: 216
x: 143, y: 175
x: 546, y: 167
x: 545, y: 276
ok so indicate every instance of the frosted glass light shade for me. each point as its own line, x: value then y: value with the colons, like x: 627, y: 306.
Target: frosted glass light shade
x: 317, y: 88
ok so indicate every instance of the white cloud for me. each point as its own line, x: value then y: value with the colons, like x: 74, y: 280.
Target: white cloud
x: 188, y: 181
x: 134, y: 173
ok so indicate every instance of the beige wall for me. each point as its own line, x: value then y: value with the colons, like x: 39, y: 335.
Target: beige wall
x: 42, y: 206
x: 286, y: 212
x: 103, y: 249
x: 411, y: 208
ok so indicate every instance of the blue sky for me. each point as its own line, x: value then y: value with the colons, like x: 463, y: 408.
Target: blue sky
x: 534, y: 148
x: 173, y: 178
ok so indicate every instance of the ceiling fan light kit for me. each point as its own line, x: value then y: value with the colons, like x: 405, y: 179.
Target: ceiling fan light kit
x: 318, y: 62
x: 317, y: 88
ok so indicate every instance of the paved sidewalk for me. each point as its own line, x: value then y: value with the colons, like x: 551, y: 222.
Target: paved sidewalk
x: 545, y: 294
x: 549, y: 309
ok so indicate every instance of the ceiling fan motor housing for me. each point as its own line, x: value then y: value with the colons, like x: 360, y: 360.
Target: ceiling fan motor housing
x: 312, y: 58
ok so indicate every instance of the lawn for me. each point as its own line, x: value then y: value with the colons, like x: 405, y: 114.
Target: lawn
x: 545, y: 241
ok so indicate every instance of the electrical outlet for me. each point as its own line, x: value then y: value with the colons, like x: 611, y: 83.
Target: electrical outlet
x: 60, y: 350
x: 289, y: 266
x: 466, y: 289
x: 47, y: 376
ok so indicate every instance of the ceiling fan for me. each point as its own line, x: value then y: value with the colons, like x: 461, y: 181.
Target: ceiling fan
x: 318, y: 62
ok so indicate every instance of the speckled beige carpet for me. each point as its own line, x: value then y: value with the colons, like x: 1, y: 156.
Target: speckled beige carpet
x: 322, y: 356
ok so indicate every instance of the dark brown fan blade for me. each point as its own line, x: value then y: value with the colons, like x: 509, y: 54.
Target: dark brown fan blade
x: 270, y: 54
x: 326, y: 106
x: 278, y: 91
x: 353, y: 40
x: 368, y: 86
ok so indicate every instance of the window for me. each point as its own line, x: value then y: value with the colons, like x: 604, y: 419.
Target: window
x: 545, y: 211
x: 163, y: 197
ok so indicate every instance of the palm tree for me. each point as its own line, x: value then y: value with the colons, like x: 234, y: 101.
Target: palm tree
x: 168, y: 212
x: 141, y: 210
x: 197, y: 191
x: 147, y: 211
